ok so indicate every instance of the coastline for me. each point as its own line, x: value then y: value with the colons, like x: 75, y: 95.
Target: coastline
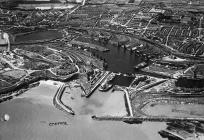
x: 25, y: 83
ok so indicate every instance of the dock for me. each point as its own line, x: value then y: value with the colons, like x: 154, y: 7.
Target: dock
x: 97, y: 84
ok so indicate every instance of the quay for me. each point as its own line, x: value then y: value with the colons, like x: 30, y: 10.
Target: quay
x: 97, y: 84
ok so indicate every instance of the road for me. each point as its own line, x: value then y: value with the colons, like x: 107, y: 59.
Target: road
x: 200, y: 27
x: 167, y: 39
x: 147, y: 25
x: 133, y: 16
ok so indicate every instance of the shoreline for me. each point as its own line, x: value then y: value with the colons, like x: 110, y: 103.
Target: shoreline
x: 22, y: 84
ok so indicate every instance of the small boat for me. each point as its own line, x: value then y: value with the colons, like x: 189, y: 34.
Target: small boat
x: 106, y: 85
x: 140, y: 66
x: 6, y: 117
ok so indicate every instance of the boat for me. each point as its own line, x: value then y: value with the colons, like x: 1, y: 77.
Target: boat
x: 111, y: 77
x: 140, y: 66
x: 105, y: 87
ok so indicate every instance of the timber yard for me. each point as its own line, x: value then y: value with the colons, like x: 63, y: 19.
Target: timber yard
x: 102, y: 69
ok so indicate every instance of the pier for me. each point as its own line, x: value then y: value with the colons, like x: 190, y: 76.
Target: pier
x: 150, y: 119
x: 128, y: 103
x: 97, y: 84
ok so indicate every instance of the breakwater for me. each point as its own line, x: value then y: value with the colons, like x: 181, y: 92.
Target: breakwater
x: 141, y: 119
x: 127, y: 99
x: 59, y: 104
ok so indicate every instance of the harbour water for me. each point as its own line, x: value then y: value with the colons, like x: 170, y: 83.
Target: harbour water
x: 119, y: 59
x: 33, y: 116
x: 123, y: 80
x: 100, y: 103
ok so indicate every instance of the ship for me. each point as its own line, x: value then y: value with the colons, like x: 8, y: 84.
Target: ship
x: 106, y: 85
x: 140, y: 66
